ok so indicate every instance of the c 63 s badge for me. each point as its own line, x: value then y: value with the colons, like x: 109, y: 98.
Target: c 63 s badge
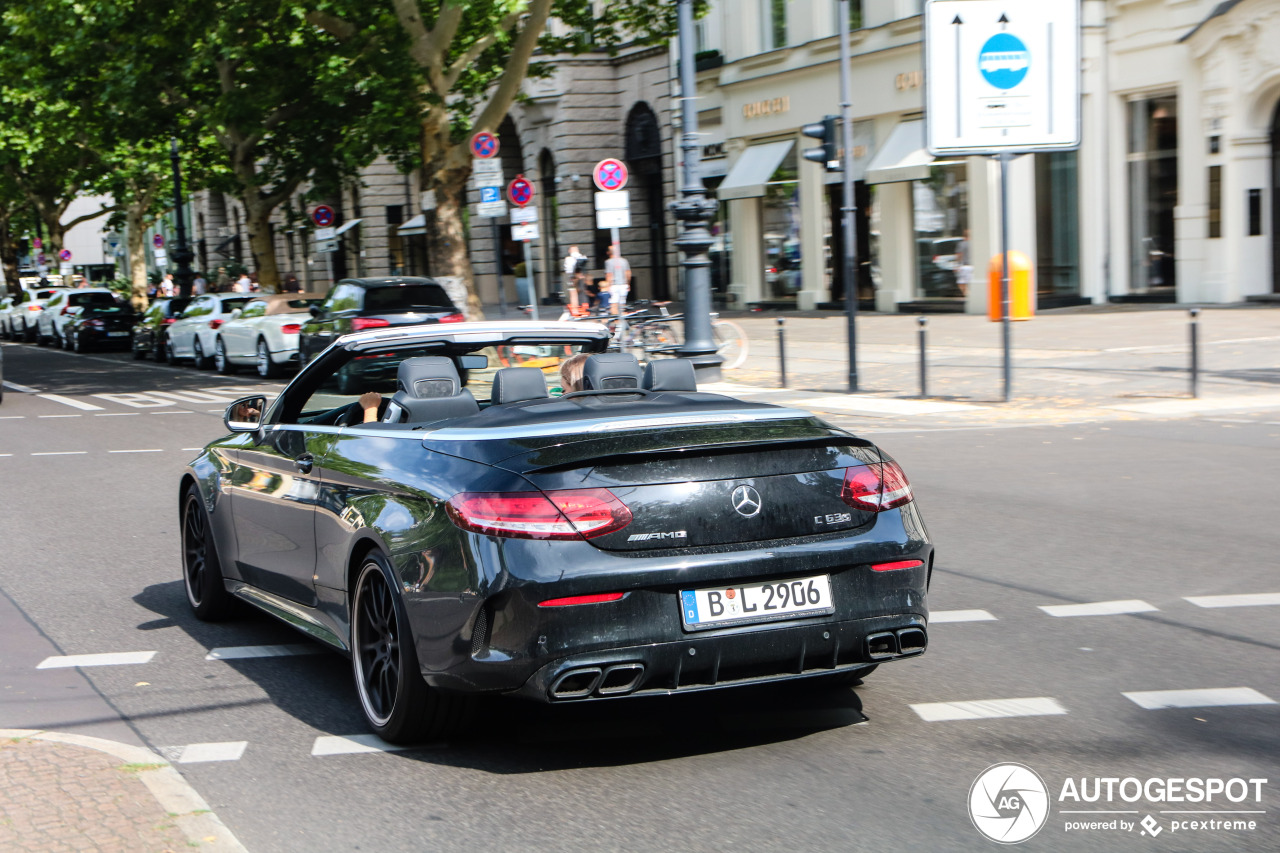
x: 834, y: 518
x: 645, y: 537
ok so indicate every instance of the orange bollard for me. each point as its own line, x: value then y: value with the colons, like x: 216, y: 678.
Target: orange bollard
x: 1022, y: 280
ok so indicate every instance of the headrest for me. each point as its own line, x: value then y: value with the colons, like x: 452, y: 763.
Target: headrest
x: 607, y: 370
x: 514, y: 384
x: 670, y: 374
x: 428, y: 377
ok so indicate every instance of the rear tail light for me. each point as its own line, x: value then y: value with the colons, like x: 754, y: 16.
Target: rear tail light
x: 291, y: 329
x: 168, y: 320
x: 362, y: 323
x: 453, y: 318
x: 893, y: 567
x: 583, y: 599
x: 95, y: 324
x: 34, y: 307
x: 559, y: 514
x: 213, y: 324
x: 875, y: 487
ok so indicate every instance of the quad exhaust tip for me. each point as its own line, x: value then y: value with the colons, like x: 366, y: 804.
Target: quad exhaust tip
x: 903, y: 642
x: 579, y: 683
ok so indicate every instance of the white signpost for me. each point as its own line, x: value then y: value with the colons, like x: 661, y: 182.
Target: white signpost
x: 613, y: 209
x: 1002, y: 78
x: 487, y: 178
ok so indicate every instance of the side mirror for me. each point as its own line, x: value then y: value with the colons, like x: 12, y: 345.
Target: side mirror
x: 245, y: 414
x: 316, y: 311
x: 235, y: 314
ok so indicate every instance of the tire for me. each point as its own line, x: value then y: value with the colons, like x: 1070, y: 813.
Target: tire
x: 397, y: 703
x: 41, y: 340
x: 199, y: 360
x: 28, y: 335
x: 731, y: 343
x: 79, y: 344
x: 220, y: 360
x: 169, y: 355
x: 201, y: 571
x: 60, y: 340
x: 267, y: 369
x: 160, y: 349
x: 138, y: 354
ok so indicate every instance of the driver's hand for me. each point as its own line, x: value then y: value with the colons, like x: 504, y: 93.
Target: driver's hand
x: 369, y: 402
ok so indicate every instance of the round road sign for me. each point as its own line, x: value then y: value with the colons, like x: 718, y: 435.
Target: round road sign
x: 610, y: 175
x: 158, y: 241
x: 520, y: 191
x: 484, y: 145
x: 65, y: 254
x: 41, y: 259
x: 323, y: 216
x: 1004, y: 60
x: 37, y: 243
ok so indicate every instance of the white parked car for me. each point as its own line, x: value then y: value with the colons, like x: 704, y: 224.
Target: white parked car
x: 62, y: 306
x: 20, y: 320
x: 191, y: 337
x: 264, y: 333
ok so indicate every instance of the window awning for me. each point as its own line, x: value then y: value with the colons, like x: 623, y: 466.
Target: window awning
x: 416, y: 225
x: 753, y: 170
x: 903, y: 156
x: 347, y: 226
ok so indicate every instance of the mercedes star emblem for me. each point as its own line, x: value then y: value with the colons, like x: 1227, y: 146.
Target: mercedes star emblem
x: 746, y: 501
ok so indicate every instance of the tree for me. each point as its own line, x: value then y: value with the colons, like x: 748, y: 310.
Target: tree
x: 469, y: 60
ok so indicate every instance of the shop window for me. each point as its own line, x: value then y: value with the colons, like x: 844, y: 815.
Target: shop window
x: 944, y: 267
x: 1215, y: 202
x: 1153, y: 192
x: 1058, y: 223
x: 780, y: 228
x: 1255, y: 213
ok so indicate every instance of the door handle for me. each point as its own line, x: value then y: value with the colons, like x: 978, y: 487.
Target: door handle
x: 304, y: 463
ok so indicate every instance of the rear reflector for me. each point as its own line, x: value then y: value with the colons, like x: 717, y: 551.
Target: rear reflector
x: 291, y: 329
x: 583, y: 599
x: 558, y: 514
x: 901, y: 564
x: 875, y: 487
x: 453, y: 318
x: 361, y: 323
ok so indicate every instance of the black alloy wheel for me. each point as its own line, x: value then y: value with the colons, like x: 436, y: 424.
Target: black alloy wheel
x: 28, y: 334
x: 78, y: 343
x: 138, y: 354
x: 201, y: 571
x: 169, y: 355
x: 199, y: 360
x: 160, y: 349
x: 41, y: 340
x: 397, y: 703
x: 220, y: 360
x: 60, y: 339
x: 267, y: 368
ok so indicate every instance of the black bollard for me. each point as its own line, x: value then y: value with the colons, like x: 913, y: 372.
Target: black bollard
x: 923, y: 376
x: 782, y: 351
x: 1195, y: 353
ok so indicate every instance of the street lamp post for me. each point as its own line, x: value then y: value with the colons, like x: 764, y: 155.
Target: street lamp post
x: 182, y: 254
x: 694, y: 211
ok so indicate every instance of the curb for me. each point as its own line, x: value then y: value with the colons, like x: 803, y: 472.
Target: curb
x: 192, y: 814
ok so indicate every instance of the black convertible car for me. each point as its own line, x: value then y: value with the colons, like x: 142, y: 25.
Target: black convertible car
x: 485, y: 534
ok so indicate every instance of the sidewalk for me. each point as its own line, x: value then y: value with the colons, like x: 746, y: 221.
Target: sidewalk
x: 65, y: 792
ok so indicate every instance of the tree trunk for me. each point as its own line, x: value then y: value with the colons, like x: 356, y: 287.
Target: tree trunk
x: 136, y: 245
x: 262, y: 244
x: 9, y: 258
x: 448, y: 244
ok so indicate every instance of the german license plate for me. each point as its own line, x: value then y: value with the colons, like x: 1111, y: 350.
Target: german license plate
x: 116, y: 334
x: 759, y: 602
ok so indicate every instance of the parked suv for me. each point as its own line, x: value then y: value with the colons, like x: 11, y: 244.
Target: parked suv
x: 149, y: 332
x: 51, y: 323
x: 355, y: 304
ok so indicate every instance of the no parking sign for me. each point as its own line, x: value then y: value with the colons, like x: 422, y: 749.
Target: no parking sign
x: 520, y: 191
x: 610, y: 175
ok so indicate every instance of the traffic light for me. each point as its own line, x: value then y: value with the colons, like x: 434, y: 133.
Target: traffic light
x: 828, y: 153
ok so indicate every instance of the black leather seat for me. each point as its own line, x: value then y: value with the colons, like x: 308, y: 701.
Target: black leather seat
x: 429, y: 389
x: 670, y: 374
x: 606, y: 371
x: 517, y: 384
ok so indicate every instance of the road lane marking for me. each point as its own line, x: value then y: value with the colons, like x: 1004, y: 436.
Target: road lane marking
x: 1207, y: 698
x: 67, y: 401
x: 134, y: 401
x: 58, y: 416
x: 14, y: 386
x: 195, y: 753
x: 243, y: 652
x: 148, y: 450
x: 13, y: 418
x: 338, y: 745
x: 117, y: 414
x: 172, y: 412
x: 6, y: 454
x: 987, y: 709
x: 940, y: 616
x: 61, y: 453
x: 109, y: 659
x: 193, y: 448
x: 1257, y: 599
x: 1098, y: 608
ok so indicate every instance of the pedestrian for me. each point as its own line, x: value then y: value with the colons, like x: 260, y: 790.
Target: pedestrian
x: 199, y: 285
x: 575, y: 264
x: 617, y: 278
x: 167, y: 285
x: 223, y: 281
x: 242, y: 283
x: 291, y: 284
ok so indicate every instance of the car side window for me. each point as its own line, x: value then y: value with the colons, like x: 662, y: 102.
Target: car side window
x: 344, y: 297
x: 198, y: 308
x: 257, y: 308
x: 54, y: 301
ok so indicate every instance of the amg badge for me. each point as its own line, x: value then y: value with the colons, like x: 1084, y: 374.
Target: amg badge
x: 645, y: 537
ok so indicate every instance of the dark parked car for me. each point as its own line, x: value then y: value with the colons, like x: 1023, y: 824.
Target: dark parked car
x: 148, y: 332
x: 101, y: 325
x: 635, y: 538
x: 356, y: 304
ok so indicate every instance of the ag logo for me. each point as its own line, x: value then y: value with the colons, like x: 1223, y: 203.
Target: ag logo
x: 1008, y: 803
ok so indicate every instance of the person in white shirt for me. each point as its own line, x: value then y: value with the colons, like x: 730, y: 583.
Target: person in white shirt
x: 574, y: 263
x: 167, y: 286
x: 617, y: 277
x: 242, y: 283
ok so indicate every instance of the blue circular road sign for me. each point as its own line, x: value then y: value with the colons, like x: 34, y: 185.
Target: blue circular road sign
x: 1004, y: 61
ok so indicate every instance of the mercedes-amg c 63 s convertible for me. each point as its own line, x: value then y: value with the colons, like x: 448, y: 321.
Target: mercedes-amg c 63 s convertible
x: 429, y: 501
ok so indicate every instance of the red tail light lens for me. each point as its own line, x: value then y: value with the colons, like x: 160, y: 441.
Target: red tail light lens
x: 291, y: 329
x: 213, y: 324
x: 34, y: 307
x: 453, y: 318
x: 561, y: 514
x: 359, y: 324
x: 583, y: 599
x: 893, y: 567
x: 875, y: 487
x: 168, y: 320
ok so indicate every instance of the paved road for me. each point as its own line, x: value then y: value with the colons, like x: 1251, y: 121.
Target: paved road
x: 1162, y: 517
